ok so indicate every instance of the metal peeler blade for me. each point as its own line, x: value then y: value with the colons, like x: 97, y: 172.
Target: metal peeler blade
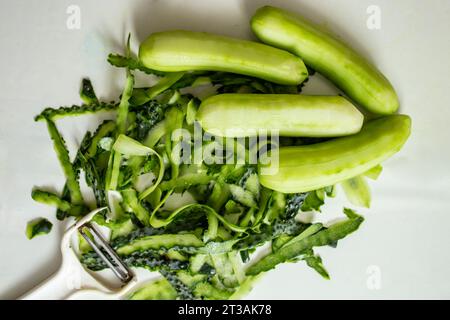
x: 59, y: 285
x: 105, y: 252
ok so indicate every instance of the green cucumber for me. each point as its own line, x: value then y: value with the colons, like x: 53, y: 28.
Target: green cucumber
x: 179, y: 50
x: 352, y: 73
x: 311, y: 167
x: 241, y: 115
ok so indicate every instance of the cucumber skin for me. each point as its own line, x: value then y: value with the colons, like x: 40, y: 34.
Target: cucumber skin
x: 238, y: 115
x: 179, y: 50
x: 352, y: 73
x: 157, y: 241
x: 307, y: 168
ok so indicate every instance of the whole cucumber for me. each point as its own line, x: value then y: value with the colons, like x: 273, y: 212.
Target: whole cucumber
x: 352, y: 73
x: 242, y: 115
x: 310, y: 167
x: 173, y: 51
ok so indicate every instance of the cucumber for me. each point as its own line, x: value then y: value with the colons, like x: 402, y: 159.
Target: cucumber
x: 179, y: 50
x: 241, y: 115
x: 310, y: 167
x: 352, y: 73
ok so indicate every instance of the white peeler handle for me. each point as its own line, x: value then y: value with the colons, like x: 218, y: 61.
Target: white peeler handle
x: 68, y: 282
x: 57, y: 287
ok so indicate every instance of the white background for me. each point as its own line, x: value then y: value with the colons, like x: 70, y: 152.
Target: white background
x: 406, y: 235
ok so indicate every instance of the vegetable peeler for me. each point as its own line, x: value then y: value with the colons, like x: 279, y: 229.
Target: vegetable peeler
x: 72, y: 281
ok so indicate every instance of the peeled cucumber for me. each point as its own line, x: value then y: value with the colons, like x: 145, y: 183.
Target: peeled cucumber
x: 241, y: 115
x: 179, y: 50
x: 352, y: 73
x: 310, y: 167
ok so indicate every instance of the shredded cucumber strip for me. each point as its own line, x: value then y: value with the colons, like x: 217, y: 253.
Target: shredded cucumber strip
x: 51, y: 199
x: 145, y: 95
x: 185, y: 181
x: 114, y: 170
x: 213, y: 226
x: 159, y: 289
x: 64, y: 160
x: 75, y: 110
x: 306, y: 233
x: 130, y: 147
x: 166, y: 241
x: 158, y: 223
x: 374, y: 173
x: 357, y: 191
x: 131, y: 199
x: 122, y: 112
x: 155, y: 134
x: 103, y: 130
x: 321, y: 238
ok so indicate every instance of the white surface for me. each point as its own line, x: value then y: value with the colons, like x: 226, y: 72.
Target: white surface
x: 406, y: 234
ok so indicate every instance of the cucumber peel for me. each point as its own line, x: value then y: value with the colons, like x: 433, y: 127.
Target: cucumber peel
x: 158, y: 241
x: 357, y: 191
x: 325, y: 237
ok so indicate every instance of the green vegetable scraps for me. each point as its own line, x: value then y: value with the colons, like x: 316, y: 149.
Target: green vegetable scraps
x: 37, y: 227
x: 205, y: 247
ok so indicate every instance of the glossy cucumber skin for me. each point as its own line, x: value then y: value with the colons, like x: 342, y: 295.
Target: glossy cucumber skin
x: 310, y: 167
x: 352, y: 73
x: 242, y: 115
x: 179, y: 50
